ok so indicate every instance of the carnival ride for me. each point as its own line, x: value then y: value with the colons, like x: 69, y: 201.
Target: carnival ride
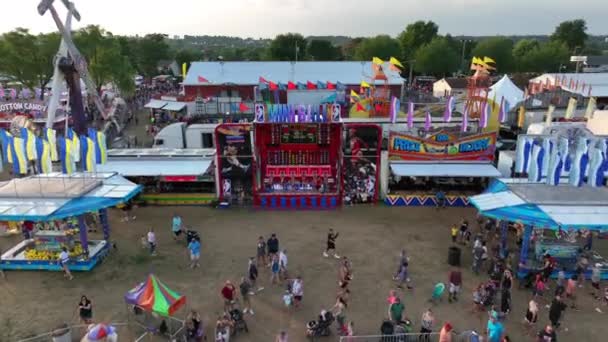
x: 71, y: 66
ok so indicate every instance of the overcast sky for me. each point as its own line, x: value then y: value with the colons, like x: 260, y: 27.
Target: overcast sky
x: 266, y: 18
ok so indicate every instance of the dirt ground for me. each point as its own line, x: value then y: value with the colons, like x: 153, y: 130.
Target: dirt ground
x: 35, y: 302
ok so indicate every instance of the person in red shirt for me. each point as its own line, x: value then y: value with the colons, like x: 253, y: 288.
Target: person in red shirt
x: 229, y: 295
x: 455, y: 279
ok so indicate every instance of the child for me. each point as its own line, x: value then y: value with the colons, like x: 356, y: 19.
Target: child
x: 454, y: 233
x: 539, y: 286
x: 570, y: 288
x: 287, y: 298
x: 152, y: 242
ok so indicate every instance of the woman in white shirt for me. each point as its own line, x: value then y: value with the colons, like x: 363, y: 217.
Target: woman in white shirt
x: 64, y: 258
x: 297, y: 289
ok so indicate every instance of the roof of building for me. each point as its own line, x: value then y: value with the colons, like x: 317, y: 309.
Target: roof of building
x: 249, y: 73
x: 597, y: 60
x: 456, y: 82
x: 597, y: 81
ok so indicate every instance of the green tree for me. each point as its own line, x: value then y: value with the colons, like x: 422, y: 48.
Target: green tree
x: 323, y: 50
x: 106, y: 63
x: 27, y: 58
x: 349, y: 49
x: 573, y: 33
x: 416, y: 35
x: 283, y: 47
x: 128, y: 48
x: 437, y: 58
x: 498, y: 48
x: 186, y: 56
x: 381, y: 46
x: 546, y: 57
x: 151, y: 49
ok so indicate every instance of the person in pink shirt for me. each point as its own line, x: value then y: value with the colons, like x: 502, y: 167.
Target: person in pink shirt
x: 570, y: 289
x: 392, y: 297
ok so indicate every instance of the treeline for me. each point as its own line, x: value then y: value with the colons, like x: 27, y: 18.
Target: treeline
x: 28, y: 58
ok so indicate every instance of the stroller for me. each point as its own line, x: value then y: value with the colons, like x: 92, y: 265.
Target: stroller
x: 437, y: 293
x: 396, y: 332
x: 320, y: 327
x: 239, y: 321
x: 488, y: 297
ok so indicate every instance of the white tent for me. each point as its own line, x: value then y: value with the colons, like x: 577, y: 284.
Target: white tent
x: 504, y: 88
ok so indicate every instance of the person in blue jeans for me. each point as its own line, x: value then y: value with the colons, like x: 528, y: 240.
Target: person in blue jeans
x: 195, y: 252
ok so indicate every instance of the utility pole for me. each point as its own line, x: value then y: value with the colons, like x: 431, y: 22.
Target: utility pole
x: 297, y: 52
x: 409, y: 80
x: 464, y: 47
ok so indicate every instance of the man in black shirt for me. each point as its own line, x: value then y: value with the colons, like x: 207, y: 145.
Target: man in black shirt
x: 331, y: 244
x: 273, y: 246
x: 547, y: 335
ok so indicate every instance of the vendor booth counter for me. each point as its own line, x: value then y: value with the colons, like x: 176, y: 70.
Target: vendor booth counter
x: 551, y: 217
x: 62, y: 202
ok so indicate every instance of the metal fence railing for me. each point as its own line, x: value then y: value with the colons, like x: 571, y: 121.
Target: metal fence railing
x: 76, y: 332
x: 467, y: 336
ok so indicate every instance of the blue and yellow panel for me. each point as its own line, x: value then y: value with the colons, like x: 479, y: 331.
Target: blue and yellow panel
x: 424, y: 201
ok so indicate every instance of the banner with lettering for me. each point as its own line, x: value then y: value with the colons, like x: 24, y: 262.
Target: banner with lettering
x: 442, y: 146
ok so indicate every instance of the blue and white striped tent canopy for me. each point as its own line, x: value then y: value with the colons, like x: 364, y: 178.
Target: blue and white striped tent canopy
x: 55, y: 196
x: 543, y: 205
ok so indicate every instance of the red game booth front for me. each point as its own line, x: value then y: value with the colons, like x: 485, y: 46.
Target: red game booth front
x: 299, y: 165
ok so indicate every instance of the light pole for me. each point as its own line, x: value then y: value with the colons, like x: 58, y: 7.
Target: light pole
x: 409, y: 80
x: 464, y: 47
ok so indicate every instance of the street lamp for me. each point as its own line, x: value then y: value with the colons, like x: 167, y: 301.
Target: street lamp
x: 464, y: 46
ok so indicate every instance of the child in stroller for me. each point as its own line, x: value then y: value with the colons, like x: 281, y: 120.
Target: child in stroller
x: 320, y: 327
x: 236, y: 315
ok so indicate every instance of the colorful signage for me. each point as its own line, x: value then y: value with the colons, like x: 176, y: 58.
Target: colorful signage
x: 22, y: 106
x: 442, y: 146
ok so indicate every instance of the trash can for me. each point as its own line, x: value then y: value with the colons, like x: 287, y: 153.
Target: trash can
x: 62, y: 333
x: 454, y: 256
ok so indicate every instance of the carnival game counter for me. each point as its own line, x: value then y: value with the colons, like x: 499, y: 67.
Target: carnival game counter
x: 422, y: 199
x: 15, y: 259
x: 298, y: 200
x: 176, y: 198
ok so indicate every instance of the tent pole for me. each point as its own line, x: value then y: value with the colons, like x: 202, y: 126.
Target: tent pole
x: 504, y: 226
x: 84, y: 242
x: 525, y: 245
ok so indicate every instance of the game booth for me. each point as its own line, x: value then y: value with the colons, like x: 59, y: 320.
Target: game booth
x: 61, y: 207
x: 423, y: 162
x: 32, y: 109
x: 549, y: 219
x: 302, y: 157
x: 168, y: 176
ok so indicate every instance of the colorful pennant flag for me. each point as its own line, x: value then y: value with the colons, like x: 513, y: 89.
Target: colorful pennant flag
x: 570, y: 109
x: 291, y: 85
x: 377, y: 61
x: 75, y: 147
x: 521, y: 116
x: 50, y: 135
x: 484, y: 115
x: 201, y: 79
x: 320, y: 85
x: 301, y: 86
x: 353, y: 94
x: 395, y: 106
x: 6, y: 139
x: 359, y: 107
x: 330, y: 85
x: 272, y: 86
x: 364, y: 84
x: 503, y: 110
x: 19, y: 156
x: 340, y: 86
x: 591, y: 105
x: 243, y: 107
x: 66, y: 155
x: 465, y: 119
x: 410, y: 114
x: 395, y: 61
x: 99, y: 142
x: 29, y: 140
x: 449, y: 107
x: 87, y: 148
x: 427, y: 121
x: 310, y: 85
x: 262, y: 80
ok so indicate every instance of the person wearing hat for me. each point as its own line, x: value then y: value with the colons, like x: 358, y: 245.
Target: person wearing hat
x: 445, y: 335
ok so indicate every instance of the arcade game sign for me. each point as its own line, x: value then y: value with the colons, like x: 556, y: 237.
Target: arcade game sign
x: 442, y: 146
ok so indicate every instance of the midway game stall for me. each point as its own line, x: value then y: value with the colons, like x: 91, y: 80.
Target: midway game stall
x: 234, y: 159
x: 550, y: 219
x: 153, y: 305
x: 424, y: 162
x: 301, y: 161
x: 168, y: 176
x: 61, y: 202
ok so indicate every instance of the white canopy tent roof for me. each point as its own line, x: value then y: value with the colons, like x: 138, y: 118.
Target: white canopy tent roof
x: 506, y: 89
x: 155, y: 104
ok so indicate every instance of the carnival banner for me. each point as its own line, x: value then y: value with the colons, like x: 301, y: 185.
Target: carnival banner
x: 442, y: 146
x: 235, y: 161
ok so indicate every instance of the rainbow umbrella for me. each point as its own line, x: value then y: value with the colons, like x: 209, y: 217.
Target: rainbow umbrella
x: 100, y: 331
x: 152, y: 295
